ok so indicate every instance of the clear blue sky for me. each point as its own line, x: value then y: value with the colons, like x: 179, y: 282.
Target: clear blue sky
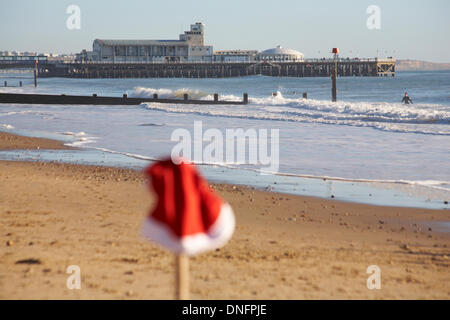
x: 415, y: 29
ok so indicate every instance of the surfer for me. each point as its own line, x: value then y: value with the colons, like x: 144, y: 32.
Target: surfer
x: 406, y: 99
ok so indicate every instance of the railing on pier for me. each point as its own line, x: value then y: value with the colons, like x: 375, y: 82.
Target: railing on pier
x: 313, y: 60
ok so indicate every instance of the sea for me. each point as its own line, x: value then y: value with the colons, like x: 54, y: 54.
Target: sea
x: 367, y: 147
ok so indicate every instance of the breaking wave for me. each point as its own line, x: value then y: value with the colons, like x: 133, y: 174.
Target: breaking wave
x: 140, y: 92
x: 395, y: 117
x: 80, y: 138
x: 6, y: 126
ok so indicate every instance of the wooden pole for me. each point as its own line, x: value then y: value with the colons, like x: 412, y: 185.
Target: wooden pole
x: 333, y: 81
x: 182, y: 277
x: 35, y: 72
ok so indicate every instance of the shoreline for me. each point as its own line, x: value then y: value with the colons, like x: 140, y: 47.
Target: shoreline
x: 395, y: 193
x: 10, y: 141
x: 284, y: 247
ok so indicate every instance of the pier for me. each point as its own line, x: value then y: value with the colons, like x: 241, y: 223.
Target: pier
x: 307, y: 68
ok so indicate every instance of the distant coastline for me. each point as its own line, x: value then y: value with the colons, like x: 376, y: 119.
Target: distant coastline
x: 418, y: 65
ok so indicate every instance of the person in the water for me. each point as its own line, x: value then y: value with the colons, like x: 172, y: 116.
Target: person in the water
x: 406, y: 99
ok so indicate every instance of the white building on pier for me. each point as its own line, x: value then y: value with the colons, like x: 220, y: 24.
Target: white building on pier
x: 188, y: 48
x: 280, y: 54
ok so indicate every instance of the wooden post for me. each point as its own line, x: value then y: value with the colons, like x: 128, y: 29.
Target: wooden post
x: 245, y: 98
x: 334, y: 76
x: 20, y: 83
x: 182, y: 277
x: 155, y: 96
x: 333, y: 82
x: 35, y: 72
x: 185, y: 96
x: 6, y: 83
x: 216, y: 97
x: 125, y: 96
x: 305, y: 95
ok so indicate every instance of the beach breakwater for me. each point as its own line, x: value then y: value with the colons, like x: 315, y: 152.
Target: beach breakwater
x: 97, y: 100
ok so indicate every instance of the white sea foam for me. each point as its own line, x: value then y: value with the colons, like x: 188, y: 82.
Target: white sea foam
x: 394, y: 117
x: 75, y: 134
x: 140, y: 92
x: 7, y: 126
x: 80, y: 138
x: 42, y: 114
x: 128, y: 154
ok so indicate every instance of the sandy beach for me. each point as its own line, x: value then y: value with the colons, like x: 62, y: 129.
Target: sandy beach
x: 285, y: 247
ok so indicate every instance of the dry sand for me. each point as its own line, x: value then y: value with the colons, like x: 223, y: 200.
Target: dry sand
x: 285, y: 247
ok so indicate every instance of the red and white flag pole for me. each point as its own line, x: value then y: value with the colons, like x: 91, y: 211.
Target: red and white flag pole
x: 189, y: 217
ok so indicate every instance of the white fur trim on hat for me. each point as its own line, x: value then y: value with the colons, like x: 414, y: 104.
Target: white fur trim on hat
x: 219, y: 233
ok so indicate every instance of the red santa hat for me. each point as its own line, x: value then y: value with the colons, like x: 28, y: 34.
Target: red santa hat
x: 189, y: 216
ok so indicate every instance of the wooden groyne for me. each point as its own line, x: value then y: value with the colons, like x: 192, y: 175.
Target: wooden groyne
x: 98, y: 100
x: 308, y: 68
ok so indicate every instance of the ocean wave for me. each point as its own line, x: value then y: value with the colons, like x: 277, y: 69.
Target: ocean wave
x: 366, y: 111
x: 6, y: 126
x: 75, y: 134
x: 433, y: 184
x: 26, y: 112
x: 80, y: 139
x: 394, y: 117
x: 127, y: 154
x: 141, y: 92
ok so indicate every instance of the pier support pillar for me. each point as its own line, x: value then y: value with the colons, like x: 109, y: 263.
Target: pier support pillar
x: 216, y: 97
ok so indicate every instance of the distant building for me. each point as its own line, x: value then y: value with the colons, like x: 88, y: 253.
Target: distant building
x: 280, y: 54
x: 189, y: 48
x: 235, y: 56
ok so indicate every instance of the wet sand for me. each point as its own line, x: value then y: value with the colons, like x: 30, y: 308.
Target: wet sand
x: 10, y: 141
x: 285, y: 247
